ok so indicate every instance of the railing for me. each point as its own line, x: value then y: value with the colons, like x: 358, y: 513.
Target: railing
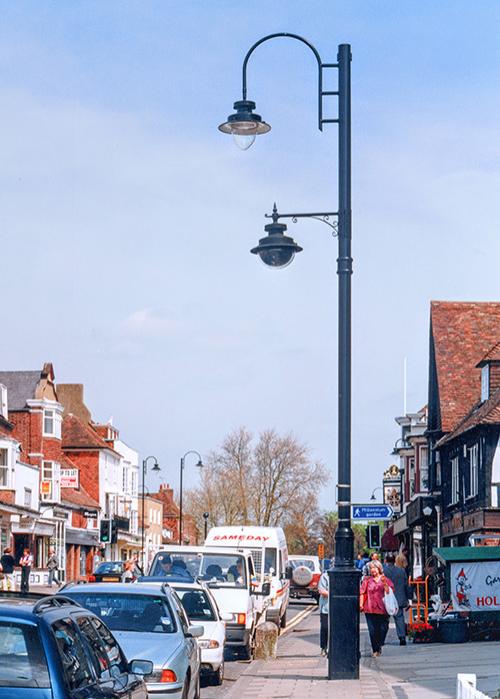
x: 466, y: 688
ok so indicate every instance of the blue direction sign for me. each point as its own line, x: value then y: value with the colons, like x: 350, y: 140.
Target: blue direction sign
x: 362, y: 512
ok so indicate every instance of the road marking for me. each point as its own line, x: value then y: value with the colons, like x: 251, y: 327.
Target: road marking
x: 297, y: 619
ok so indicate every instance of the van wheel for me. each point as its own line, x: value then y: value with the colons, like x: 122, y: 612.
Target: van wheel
x: 215, y: 678
x: 283, y: 620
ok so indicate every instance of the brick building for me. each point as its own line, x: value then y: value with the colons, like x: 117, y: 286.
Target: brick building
x: 190, y: 532
x: 152, y: 525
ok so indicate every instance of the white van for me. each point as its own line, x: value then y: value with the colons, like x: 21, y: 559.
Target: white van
x: 230, y: 574
x: 270, y: 554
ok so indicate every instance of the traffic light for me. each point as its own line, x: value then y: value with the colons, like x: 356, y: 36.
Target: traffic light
x: 373, y: 536
x: 105, y: 532
x: 114, y: 532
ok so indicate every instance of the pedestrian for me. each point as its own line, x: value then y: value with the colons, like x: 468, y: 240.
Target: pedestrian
x: 402, y: 592
x: 323, y: 589
x: 7, y: 564
x: 363, y: 559
x: 402, y: 561
x: 26, y: 561
x: 53, y: 566
x: 371, y: 602
x: 366, y: 568
x: 128, y: 572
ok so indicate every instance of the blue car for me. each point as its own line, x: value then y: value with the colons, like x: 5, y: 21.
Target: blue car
x: 52, y: 648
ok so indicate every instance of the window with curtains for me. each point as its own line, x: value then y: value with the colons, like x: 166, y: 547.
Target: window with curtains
x: 473, y: 470
x: 4, y: 468
x: 455, y: 481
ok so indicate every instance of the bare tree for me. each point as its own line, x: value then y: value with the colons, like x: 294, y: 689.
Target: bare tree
x: 269, y: 484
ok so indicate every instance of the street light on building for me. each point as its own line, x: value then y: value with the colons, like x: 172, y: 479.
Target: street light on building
x: 372, y: 496
x: 156, y: 469
x: 198, y: 465
x: 278, y: 250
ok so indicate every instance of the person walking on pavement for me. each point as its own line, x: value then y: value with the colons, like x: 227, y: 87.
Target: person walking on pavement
x: 402, y: 592
x: 128, y: 572
x: 53, y: 566
x: 371, y: 602
x: 365, y: 571
x: 26, y: 561
x: 7, y: 564
x: 323, y: 589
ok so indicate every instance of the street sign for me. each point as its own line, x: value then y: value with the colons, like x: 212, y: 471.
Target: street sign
x: 370, y: 512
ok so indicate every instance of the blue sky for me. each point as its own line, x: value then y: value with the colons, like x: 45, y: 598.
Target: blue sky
x: 126, y: 217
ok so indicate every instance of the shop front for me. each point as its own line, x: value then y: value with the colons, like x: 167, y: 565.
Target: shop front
x: 81, y: 548
x: 35, y: 535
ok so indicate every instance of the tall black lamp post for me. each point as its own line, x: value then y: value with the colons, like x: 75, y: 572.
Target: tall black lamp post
x: 278, y: 250
x: 154, y: 468
x: 199, y: 465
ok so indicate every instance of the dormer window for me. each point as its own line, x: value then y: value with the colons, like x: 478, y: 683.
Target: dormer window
x: 485, y: 382
x: 51, y: 423
x: 4, y: 412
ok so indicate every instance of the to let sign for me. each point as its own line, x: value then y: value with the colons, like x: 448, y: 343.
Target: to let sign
x: 70, y: 478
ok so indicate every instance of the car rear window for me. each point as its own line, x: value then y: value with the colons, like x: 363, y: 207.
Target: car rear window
x: 128, y: 612
x: 305, y: 563
x: 196, y: 605
x: 22, y: 658
x: 109, y: 567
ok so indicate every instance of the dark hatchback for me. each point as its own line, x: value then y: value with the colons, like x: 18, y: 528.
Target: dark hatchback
x: 111, y: 571
x: 51, y: 648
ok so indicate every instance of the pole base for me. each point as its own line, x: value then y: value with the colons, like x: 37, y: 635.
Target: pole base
x: 343, y: 640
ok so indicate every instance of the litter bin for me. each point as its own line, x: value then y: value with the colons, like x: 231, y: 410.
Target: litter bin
x: 453, y: 629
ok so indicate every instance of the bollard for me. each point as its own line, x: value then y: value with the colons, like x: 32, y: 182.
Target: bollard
x: 266, y: 640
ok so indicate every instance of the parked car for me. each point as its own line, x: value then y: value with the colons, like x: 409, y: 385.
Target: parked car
x: 306, y: 572
x: 230, y: 574
x: 111, y: 571
x: 201, y: 608
x: 52, y: 648
x: 149, y: 621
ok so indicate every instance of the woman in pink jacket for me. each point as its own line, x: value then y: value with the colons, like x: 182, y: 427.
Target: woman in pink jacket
x: 371, y: 602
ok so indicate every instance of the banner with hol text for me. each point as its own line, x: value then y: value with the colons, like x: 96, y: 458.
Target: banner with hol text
x: 475, y: 587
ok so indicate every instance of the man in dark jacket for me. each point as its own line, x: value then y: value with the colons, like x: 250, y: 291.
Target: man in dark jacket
x: 403, y: 594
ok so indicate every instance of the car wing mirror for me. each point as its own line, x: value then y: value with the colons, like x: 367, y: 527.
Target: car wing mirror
x: 195, y: 631
x: 140, y: 667
x: 288, y: 573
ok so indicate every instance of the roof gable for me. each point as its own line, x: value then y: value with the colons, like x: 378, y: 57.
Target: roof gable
x: 77, y: 435
x: 462, y: 334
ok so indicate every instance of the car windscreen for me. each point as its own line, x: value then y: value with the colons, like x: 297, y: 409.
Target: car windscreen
x: 110, y: 567
x: 128, y: 612
x: 196, y: 605
x: 22, y: 657
x: 228, y: 569
x: 176, y: 565
x: 302, y: 563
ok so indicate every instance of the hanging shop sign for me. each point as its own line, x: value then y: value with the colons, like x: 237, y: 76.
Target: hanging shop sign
x: 46, y: 487
x: 475, y: 587
x: 70, y: 478
x: 393, y: 488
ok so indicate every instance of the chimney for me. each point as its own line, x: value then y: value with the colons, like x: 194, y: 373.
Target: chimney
x: 71, y: 397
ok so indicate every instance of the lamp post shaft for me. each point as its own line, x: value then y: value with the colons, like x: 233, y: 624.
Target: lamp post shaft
x: 343, y: 656
x: 142, y: 516
x: 180, y: 502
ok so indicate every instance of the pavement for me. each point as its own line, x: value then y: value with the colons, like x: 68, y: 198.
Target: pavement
x: 414, y: 671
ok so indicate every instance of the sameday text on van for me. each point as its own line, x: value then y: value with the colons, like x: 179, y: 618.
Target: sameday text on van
x: 270, y: 554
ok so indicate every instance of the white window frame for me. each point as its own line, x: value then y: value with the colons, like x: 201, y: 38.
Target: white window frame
x: 474, y: 471
x: 55, y: 429
x: 5, y: 467
x: 55, y: 490
x: 485, y: 382
x: 28, y: 497
x: 455, y: 480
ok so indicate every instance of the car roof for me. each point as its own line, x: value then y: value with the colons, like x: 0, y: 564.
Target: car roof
x: 142, y: 588
x: 179, y: 585
x: 19, y: 606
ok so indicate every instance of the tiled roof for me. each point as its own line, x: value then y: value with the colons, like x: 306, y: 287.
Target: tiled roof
x: 75, y: 434
x: 463, y: 333
x: 21, y: 386
x: 487, y: 413
x: 80, y: 497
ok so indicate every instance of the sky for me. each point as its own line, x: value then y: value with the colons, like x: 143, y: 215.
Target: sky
x: 126, y: 217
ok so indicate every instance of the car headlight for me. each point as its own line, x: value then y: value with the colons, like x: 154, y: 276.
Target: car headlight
x: 206, y: 643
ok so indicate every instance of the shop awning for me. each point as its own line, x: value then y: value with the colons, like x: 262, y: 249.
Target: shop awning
x: 82, y: 537
x: 457, y: 554
x: 38, y: 528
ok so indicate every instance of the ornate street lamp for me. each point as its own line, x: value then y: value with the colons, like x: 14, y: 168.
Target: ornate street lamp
x: 198, y: 465
x: 156, y: 469
x: 278, y: 250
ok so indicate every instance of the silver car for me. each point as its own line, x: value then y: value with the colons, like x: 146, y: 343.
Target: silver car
x: 149, y: 622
